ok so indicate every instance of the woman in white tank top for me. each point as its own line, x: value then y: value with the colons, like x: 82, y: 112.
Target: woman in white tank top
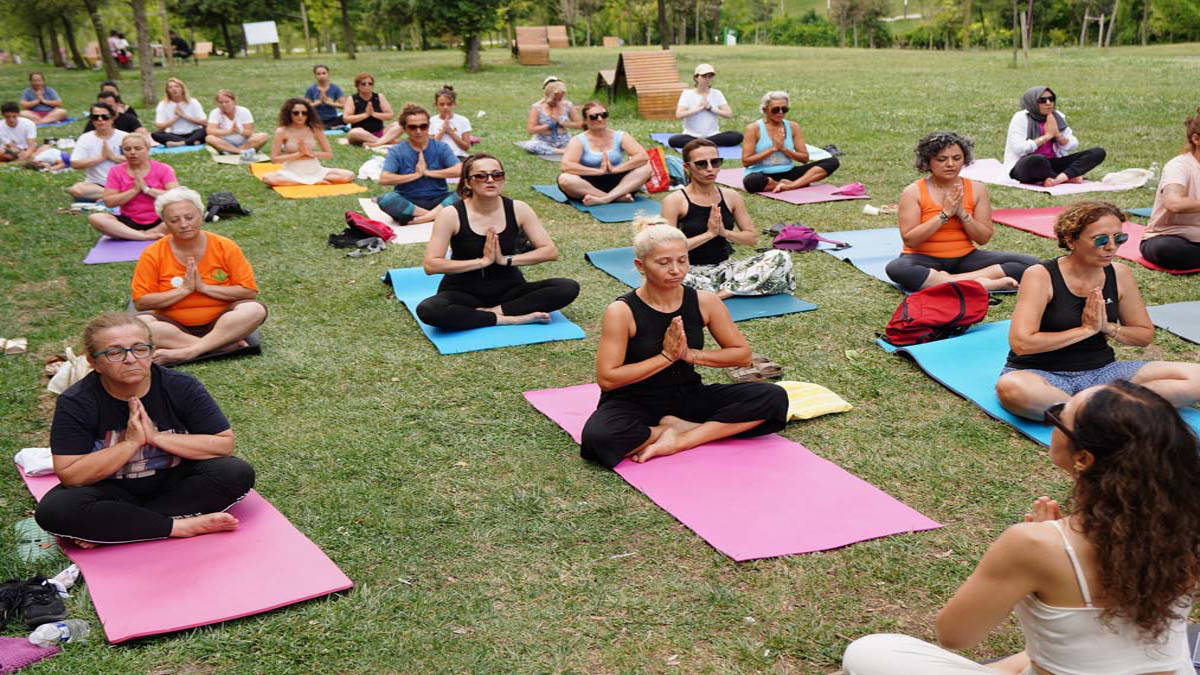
x: 1105, y: 590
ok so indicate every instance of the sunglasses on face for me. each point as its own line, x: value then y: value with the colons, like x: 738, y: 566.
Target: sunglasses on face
x: 705, y: 163
x: 97, y: 117
x: 1101, y: 240
x: 117, y: 354
x: 709, y: 75
x: 417, y: 127
x: 495, y: 176
x: 300, y: 113
x: 366, y: 84
x: 1053, y: 416
x: 780, y: 109
x: 598, y: 116
x: 1046, y: 99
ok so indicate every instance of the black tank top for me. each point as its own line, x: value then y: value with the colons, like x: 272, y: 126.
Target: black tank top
x: 649, y: 327
x: 467, y: 244
x: 1063, y: 312
x: 371, y: 124
x: 695, y: 222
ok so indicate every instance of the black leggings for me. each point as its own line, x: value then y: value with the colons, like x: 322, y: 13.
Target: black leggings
x: 459, y: 310
x: 115, y: 511
x: 757, y: 181
x: 194, y: 138
x: 911, y: 270
x: 620, y: 426
x: 1037, y: 168
x: 1172, y: 252
x: 724, y: 139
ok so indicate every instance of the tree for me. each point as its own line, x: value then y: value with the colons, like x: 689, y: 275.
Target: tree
x: 106, y: 55
x: 468, y: 20
x: 145, y: 57
x: 664, y: 29
x: 347, y: 30
x: 69, y: 33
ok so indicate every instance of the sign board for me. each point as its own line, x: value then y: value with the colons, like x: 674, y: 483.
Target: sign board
x: 261, y: 33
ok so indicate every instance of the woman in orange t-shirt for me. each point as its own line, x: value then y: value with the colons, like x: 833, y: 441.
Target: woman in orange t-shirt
x: 198, y: 285
x: 943, y: 218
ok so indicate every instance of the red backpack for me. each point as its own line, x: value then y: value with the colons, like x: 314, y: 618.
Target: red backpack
x: 938, y: 312
x: 370, y: 228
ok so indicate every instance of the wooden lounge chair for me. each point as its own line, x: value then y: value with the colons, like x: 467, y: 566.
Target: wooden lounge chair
x: 557, y: 37
x: 533, y: 48
x: 653, y: 76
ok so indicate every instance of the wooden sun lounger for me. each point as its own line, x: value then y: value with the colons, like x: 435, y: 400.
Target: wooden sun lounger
x: 557, y: 37
x: 653, y: 76
x: 533, y: 48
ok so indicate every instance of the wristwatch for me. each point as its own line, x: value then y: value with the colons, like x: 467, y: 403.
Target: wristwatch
x: 943, y: 216
x: 508, y: 261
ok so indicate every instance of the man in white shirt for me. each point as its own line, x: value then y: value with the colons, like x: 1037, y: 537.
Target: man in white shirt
x: 96, y: 152
x: 18, y: 135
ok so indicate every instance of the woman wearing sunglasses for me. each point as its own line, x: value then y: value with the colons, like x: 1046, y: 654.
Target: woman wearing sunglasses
x: 1040, y: 147
x: 775, y: 154
x: 714, y: 218
x: 418, y: 167
x: 483, y: 285
x: 701, y: 109
x: 600, y: 165
x: 96, y: 152
x: 300, y: 144
x: 1172, y: 237
x: 178, y: 119
x: 1105, y: 589
x: 1069, y: 312
x: 365, y: 111
x: 140, y: 450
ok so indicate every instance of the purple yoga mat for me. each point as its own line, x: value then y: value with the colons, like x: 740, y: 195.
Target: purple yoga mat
x: 990, y: 170
x: 750, y: 498
x: 811, y: 194
x: 16, y: 653
x: 109, y: 250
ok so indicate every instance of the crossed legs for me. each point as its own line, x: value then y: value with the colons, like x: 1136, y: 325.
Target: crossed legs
x: 229, y: 331
x: 579, y: 187
x: 1027, y: 394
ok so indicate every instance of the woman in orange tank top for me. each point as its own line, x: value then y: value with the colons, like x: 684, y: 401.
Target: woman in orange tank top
x: 944, y: 218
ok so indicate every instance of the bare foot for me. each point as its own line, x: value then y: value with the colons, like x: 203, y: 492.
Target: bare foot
x: 1051, y: 182
x: 667, y: 444
x: 147, y: 235
x: 168, y: 356
x: 679, y: 424
x: 592, y: 200
x: 232, y: 346
x: 84, y: 544
x: 1001, y: 284
x: 205, y: 524
x: 532, y: 317
x: 175, y: 144
x: 1076, y: 179
x: 624, y: 198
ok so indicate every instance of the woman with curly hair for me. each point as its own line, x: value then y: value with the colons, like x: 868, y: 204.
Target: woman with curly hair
x: 300, y: 144
x: 1106, y: 589
x: 944, y: 219
x: 1068, y: 311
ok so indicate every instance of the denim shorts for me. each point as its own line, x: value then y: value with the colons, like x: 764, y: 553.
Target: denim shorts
x: 1074, y: 381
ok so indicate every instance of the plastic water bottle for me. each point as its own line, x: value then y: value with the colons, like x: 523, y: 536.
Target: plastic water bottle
x: 1153, y: 172
x: 59, y: 632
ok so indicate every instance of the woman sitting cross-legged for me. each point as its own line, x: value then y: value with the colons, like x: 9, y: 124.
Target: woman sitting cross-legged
x: 944, y: 218
x: 1172, y: 236
x: 701, y: 109
x: 550, y: 120
x: 179, y: 118
x: 653, y: 402
x: 366, y: 111
x: 592, y: 170
x: 773, y: 145
x: 195, y: 288
x: 231, y: 127
x: 418, y: 167
x: 712, y: 217
x: 300, y: 144
x: 482, y: 285
x: 1106, y: 589
x: 141, y: 452
x: 133, y: 186
x: 1067, y: 311
x: 1040, y: 146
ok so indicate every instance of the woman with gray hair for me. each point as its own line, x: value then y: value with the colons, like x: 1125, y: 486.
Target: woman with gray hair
x: 195, y: 289
x: 944, y: 218
x: 775, y: 154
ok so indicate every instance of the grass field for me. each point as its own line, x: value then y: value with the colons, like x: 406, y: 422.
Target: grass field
x: 477, y: 539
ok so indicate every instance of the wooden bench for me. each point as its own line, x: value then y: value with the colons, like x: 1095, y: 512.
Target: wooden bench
x: 611, y: 41
x: 557, y: 37
x: 533, y: 48
x: 652, y: 76
x: 203, y: 50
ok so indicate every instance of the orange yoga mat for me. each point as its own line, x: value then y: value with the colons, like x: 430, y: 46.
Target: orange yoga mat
x: 305, y: 191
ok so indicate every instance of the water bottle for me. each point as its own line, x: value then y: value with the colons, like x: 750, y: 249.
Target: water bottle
x: 59, y: 632
x: 1153, y: 172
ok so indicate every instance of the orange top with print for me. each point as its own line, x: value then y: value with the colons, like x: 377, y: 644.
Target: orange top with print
x: 222, y: 265
x: 950, y: 240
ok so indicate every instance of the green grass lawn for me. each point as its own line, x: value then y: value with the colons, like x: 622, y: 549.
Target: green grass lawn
x: 477, y: 539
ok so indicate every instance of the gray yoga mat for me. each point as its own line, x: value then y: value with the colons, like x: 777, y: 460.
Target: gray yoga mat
x: 1180, y: 318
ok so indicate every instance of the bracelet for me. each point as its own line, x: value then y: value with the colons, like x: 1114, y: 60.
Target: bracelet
x: 508, y: 261
x: 663, y: 354
x: 943, y: 217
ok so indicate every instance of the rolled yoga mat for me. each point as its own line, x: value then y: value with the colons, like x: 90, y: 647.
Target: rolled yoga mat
x: 990, y: 170
x: 809, y: 194
x: 613, y: 212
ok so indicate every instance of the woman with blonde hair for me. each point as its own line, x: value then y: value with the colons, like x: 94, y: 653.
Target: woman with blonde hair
x: 231, y: 127
x: 550, y: 120
x: 1172, y: 237
x: 178, y: 118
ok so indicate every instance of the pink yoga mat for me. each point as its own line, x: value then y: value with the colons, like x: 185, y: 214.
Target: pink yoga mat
x: 16, y: 653
x: 990, y: 170
x: 811, y: 194
x: 1041, y: 222
x: 109, y: 250
x: 168, y: 585
x: 750, y: 498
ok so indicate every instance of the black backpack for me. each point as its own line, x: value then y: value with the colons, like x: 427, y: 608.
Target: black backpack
x: 223, y: 204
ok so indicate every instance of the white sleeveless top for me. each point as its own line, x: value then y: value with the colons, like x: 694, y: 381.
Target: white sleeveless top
x: 1073, y: 640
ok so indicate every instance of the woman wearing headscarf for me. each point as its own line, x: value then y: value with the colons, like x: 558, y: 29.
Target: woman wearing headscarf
x: 1041, y: 146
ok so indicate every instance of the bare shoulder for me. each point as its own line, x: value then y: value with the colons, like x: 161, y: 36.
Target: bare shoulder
x: 732, y: 197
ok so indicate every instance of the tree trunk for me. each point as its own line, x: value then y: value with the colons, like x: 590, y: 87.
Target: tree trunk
x: 856, y: 33
x: 663, y: 35
x: 1112, y: 23
x: 69, y: 31
x: 145, y: 55
x: 230, y: 49
x: 106, y: 55
x: 41, y: 44
x: 1145, y: 22
x: 348, y: 32
x: 56, y: 55
x: 471, y: 47
x: 275, y: 53
x: 716, y: 29
x: 1015, y: 28
x: 966, y: 24
x: 424, y: 35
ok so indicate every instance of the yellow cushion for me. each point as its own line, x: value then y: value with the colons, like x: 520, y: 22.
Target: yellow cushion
x: 807, y: 400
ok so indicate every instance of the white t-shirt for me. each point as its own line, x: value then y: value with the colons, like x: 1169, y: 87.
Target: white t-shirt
x: 90, y: 146
x: 704, y: 123
x: 1181, y: 170
x: 460, y: 124
x: 166, y: 110
x: 241, y: 117
x: 18, y: 135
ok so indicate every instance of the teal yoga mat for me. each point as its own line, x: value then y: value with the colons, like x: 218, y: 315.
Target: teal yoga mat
x: 734, y: 152
x: 618, y: 263
x: 178, y: 149
x: 411, y: 285
x: 1180, y: 318
x: 616, y: 212
x: 969, y: 366
x: 1141, y: 213
x: 60, y: 123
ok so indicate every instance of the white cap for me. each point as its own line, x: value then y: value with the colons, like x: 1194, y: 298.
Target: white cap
x: 704, y: 69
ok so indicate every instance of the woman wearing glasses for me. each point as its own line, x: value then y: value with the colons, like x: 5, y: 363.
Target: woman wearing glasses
x: 594, y: 165
x: 142, y: 452
x: 1040, y: 146
x: 179, y: 118
x: 483, y: 285
x: 300, y: 144
x: 1105, y: 589
x: 418, y: 167
x: 96, y: 152
x: 713, y: 219
x: 365, y: 111
x: 1069, y: 311
x: 134, y: 186
x: 195, y: 288
x: 772, y: 148
x: 1172, y: 237
x: 701, y: 109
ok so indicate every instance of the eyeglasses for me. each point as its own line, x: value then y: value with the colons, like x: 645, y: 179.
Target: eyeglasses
x: 117, y: 354
x: 705, y: 163
x: 95, y: 117
x: 1051, y: 416
x: 417, y: 127
x: 300, y: 113
x: 598, y: 116
x: 1046, y: 99
x: 1101, y: 240
x: 780, y: 109
x: 495, y: 176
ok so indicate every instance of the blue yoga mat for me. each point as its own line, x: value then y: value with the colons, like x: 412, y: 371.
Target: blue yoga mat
x: 412, y: 285
x: 1141, y: 213
x: 618, y: 263
x: 62, y: 123
x: 615, y: 212
x: 178, y: 149
x: 870, y: 250
x: 969, y: 366
x: 335, y: 132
